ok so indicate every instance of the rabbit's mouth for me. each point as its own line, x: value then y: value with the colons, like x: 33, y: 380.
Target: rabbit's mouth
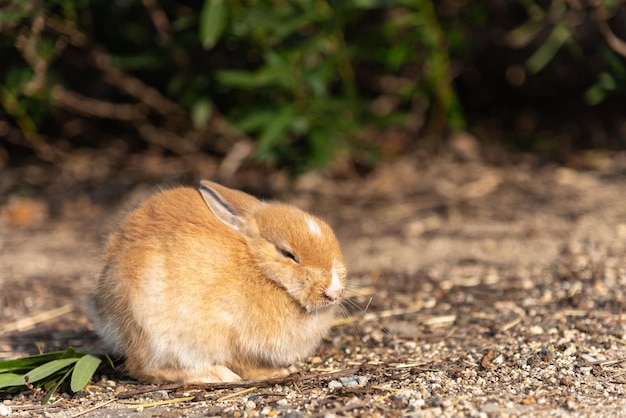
x: 320, y: 306
x: 317, y: 298
x: 326, y: 296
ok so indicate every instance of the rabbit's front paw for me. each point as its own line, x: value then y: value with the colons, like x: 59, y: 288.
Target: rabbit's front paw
x: 264, y: 373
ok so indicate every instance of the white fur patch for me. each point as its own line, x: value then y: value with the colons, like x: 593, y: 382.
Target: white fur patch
x: 165, y: 318
x: 335, y: 288
x: 314, y: 227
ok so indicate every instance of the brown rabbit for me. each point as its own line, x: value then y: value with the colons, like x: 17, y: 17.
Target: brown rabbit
x: 216, y: 285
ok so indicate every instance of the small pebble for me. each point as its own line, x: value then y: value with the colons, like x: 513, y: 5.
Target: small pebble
x: 417, y: 403
x: 588, y: 358
x: 406, y: 394
x: 570, y: 350
x: 334, y: 385
x: 349, y: 382
x: 5, y: 410
x: 490, y: 408
x: 158, y: 395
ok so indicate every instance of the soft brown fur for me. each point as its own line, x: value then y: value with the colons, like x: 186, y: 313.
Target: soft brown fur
x: 200, y: 286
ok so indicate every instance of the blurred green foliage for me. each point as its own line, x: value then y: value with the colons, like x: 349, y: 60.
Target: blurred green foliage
x: 561, y: 22
x: 306, y: 79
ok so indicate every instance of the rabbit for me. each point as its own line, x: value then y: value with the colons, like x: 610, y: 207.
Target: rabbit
x: 214, y: 285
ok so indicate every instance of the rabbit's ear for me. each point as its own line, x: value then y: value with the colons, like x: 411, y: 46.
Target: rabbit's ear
x: 231, y: 207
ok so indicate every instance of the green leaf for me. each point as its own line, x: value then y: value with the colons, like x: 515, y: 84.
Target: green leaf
x: 11, y: 17
x: 265, y: 76
x: 6, y: 379
x: 44, y: 371
x: 256, y: 120
x: 275, y: 72
x: 398, y: 55
x: 542, y: 56
x: 27, y: 363
x: 237, y: 78
x: 594, y: 95
x: 611, y: 7
x: 323, y: 148
x: 607, y: 81
x: 523, y: 35
x: 276, y: 132
x: 212, y: 22
x: 70, y: 352
x: 367, y: 4
x: 201, y: 114
x: 84, y: 369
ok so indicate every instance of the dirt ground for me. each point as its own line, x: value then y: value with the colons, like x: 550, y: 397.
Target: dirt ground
x: 477, y: 290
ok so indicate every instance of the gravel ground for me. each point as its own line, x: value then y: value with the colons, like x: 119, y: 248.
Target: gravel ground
x: 475, y: 291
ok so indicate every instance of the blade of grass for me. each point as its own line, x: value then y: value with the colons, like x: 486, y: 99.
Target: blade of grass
x: 54, y: 387
x: 109, y: 361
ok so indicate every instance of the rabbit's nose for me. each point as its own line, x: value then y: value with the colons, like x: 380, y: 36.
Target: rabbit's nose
x: 334, y: 289
x: 334, y: 294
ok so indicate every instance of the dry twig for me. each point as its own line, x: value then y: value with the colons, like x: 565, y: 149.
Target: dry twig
x: 615, y: 43
x: 158, y: 403
x: 93, y: 408
x: 29, y: 322
x: 374, y: 316
x: 486, y: 360
x: 292, y: 378
x: 159, y: 19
